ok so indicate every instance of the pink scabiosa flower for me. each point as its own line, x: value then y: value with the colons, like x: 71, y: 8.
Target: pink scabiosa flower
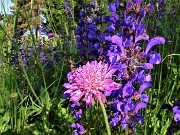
x: 89, y: 82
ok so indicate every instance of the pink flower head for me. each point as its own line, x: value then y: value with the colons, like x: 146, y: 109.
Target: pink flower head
x: 89, y: 82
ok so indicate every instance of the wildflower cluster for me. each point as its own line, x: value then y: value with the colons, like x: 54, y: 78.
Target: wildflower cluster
x: 27, y: 50
x: 120, y: 46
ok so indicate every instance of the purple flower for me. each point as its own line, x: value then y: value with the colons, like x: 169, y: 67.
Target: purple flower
x: 128, y: 90
x: 117, y: 40
x: 77, y: 115
x: 139, y: 105
x: 111, y: 28
x: 81, y: 13
x: 177, y: 117
x: 145, y: 98
x: 176, y: 111
x: 147, y: 66
x: 89, y: 82
x: 77, y: 110
x: 139, y: 118
x: 112, y: 8
x: 144, y: 86
x: 154, y: 41
x: 43, y: 58
x: 67, y: 7
x: 79, y: 129
x: 154, y: 57
x: 144, y: 77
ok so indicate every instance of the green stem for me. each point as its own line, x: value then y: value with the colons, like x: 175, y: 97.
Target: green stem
x: 126, y: 131
x: 29, y: 83
x: 105, y: 117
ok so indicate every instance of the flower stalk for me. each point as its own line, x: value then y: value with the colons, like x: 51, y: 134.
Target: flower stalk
x: 105, y: 117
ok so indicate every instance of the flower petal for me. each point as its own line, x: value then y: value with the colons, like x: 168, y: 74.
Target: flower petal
x: 114, y: 121
x: 154, y: 41
x: 155, y: 58
x: 128, y: 90
x: 144, y: 86
x: 76, y: 95
x: 139, y: 119
x: 177, y: 117
x: 146, y: 37
x: 147, y: 66
x: 117, y: 40
x: 77, y: 126
x: 139, y: 106
x: 120, y: 107
x: 112, y: 8
x: 65, y: 95
x: 176, y: 109
x: 111, y: 28
x: 145, y: 98
x: 148, y: 77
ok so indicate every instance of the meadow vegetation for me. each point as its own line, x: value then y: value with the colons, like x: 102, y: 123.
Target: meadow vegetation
x: 48, y: 48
